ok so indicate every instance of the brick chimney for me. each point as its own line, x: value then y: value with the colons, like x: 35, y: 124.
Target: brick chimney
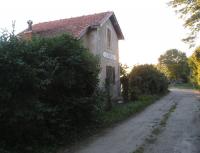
x: 30, y: 22
x: 28, y: 34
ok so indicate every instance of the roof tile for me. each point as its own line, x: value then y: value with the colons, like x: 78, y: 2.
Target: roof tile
x: 74, y: 26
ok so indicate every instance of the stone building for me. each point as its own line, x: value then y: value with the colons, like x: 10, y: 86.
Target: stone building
x: 99, y: 33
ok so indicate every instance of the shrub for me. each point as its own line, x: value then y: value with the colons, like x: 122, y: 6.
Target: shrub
x: 194, y: 63
x: 146, y: 80
x: 46, y: 91
x: 124, y: 79
x: 125, y: 87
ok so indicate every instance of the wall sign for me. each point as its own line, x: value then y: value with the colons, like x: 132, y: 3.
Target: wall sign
x: 109, y: 56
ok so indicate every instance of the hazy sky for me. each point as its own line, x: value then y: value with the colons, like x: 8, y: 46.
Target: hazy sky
x: 149, y: 27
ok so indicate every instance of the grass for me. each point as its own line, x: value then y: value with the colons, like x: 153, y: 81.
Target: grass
x: 156, y: 131
x: 184, y: 86
x: 139, y: 150
x: 123, y: 111
x: 163, y: 122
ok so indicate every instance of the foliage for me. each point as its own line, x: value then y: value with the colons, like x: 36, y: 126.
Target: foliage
x: 46, y: 91
x: 122, y: 111
x: 189, y: 10
x: 173, y: 64
x: 146, y: 80
x: 194, y: 63
x: 123, y: 70
x: 124, y: 79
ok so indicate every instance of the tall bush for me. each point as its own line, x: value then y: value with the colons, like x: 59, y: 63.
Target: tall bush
x: 194, y: 63
x: 46, y: 90
x: 146, y: 79
x: 124, y: 79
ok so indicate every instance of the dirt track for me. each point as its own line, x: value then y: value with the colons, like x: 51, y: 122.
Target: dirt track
x: 181, y: 134
x: 182, y: 131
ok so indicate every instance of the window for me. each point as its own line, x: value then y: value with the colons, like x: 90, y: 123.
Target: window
x: 108, y: 38
x: 110, y: 74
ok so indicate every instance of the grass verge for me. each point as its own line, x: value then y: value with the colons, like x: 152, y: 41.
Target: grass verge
x: 122, y: 111
x: 184, y: 86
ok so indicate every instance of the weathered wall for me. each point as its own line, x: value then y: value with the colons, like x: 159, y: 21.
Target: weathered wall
x: 96, y: 41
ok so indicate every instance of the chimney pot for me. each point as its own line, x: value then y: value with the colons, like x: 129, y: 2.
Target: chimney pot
x: 30, y: 22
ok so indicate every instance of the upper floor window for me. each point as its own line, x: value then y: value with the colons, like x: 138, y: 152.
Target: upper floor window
x: 108, y: 38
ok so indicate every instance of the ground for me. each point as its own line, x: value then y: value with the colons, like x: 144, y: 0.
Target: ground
x: 171, y: 125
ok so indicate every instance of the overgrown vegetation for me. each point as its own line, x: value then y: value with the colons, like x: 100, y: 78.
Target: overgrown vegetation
x: 122, y: 111
x: 139, y: 150
x: 142, y: 80
x: 49, y: 93
x: 146, y: 80
x: 46, y: 91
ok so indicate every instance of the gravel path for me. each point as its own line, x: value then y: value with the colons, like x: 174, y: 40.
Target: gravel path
x: 181, y: 134
x: 182, y: 131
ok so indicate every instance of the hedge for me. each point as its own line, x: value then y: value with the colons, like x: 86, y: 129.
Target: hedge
x: 146, y: 80
x: 46, y: 91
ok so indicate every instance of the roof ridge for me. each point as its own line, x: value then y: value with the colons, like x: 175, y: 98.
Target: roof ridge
x: 57, y: 20
x: 76, y: 26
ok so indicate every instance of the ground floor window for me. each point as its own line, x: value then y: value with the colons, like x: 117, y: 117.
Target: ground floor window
x: 110, y: 74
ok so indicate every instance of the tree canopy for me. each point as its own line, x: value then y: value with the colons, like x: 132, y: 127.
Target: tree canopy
x: 173, y: 64
x: 194, y: 63
x: 189, y: 10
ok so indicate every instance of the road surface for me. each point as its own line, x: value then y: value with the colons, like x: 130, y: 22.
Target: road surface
x: 180, y: 134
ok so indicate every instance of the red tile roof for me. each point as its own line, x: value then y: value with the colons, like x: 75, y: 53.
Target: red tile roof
x: 76, y: 26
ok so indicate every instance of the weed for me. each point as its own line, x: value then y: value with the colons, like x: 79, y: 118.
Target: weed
x: 123, y: 111
x: 139, y: 150
x: 157, y: 130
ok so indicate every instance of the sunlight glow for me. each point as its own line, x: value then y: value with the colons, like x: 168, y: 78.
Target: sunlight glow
x: 150, y: 27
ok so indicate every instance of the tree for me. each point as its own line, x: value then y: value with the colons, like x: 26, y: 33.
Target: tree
x: 123, y: 70
x: 194, y: 64
x: 173, y: 64
x: 189, y: 10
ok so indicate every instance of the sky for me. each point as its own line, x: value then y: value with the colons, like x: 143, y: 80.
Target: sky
x: 150, y: 27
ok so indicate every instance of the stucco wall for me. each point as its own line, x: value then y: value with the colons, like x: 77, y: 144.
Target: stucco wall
x: 96, y: 41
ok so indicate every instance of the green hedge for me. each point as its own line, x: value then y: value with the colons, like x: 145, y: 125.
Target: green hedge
x: 46, y: 91
x: 146, y: 80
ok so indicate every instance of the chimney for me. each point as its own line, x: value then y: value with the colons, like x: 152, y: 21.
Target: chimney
x: 30, y: 25
x: 27, y: 35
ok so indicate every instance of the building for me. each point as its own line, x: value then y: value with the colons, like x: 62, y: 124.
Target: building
x: 99, y: 33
